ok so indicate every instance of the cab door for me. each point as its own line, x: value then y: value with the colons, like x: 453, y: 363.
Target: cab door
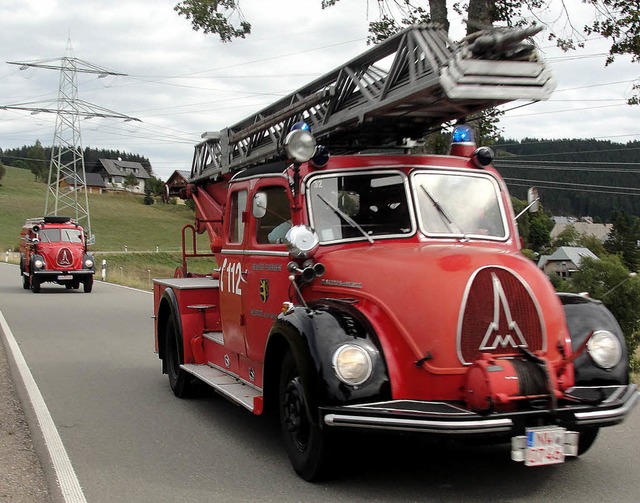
x: 233, y: 273
x: 266, y: 259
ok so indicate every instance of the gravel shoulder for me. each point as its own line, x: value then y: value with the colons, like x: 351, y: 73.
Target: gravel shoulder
x: 22, y: 478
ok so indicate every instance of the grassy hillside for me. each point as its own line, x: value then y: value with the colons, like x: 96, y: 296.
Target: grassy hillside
x: 116, y: 220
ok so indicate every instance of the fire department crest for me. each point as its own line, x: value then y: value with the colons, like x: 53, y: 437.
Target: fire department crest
x: 499, y: 315
x: 264, y: 289
x: 64, y: 257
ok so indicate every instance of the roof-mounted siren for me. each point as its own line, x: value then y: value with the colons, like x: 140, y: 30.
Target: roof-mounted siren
x: 463, y: 144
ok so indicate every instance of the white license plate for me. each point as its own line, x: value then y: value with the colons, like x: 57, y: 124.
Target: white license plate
x: 65, y: 276
x: 545, y: 446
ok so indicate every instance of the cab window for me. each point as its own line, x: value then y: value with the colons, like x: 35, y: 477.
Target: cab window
x: 273, y: 226
x: 236, y: 221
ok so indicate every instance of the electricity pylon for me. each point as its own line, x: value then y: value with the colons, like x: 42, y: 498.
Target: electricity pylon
x: 67, y: 160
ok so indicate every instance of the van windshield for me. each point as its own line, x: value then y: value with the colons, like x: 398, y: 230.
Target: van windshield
x: 451, y: 204
x: 60, y: 235
x: 360, y: 206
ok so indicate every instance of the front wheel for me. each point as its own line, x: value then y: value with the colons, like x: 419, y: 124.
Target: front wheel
x: 88, y: 284
x: 26, y: 282
x: 306, y: 443
x: 35, y: 284
x: 586, y: 439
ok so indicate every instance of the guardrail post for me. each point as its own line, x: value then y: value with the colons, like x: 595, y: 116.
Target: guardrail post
x: 104, y: 269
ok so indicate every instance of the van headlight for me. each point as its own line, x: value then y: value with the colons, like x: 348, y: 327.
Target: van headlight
x: 352, y: 364
x: 605, y: 349
x: 38, y: 264
x: 88, y: 263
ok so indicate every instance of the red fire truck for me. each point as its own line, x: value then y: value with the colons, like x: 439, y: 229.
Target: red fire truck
x: 54, y: 249
x: 359, y: 287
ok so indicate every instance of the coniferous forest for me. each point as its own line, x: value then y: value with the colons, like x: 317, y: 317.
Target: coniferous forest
x: 574, y: 177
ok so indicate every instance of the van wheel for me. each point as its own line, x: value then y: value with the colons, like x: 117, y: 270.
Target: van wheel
x: 35, y: 284
x: 26, y: 282
x: 88, y: 284
x: 586, y: 439
x: 306, y: 444
x: 181, y: 382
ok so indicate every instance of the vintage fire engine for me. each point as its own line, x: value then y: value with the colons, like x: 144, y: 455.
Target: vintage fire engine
x: 54, y: 249
x: 360, y: 288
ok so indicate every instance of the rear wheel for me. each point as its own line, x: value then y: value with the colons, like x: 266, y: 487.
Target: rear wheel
x: 88, y: 284
x: 181, y: 381
x: 306, y: 444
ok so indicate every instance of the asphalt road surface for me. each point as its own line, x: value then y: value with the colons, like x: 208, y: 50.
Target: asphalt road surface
x: 129, y: 439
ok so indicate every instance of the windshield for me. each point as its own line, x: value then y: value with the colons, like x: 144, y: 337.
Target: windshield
x: 359, y: 206
x: 459, y: 205
x: 60, y: 235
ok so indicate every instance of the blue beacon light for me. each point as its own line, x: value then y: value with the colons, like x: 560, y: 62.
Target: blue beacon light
x: 462, y: 134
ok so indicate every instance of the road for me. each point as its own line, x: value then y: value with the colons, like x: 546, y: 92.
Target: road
x: 129, y: 439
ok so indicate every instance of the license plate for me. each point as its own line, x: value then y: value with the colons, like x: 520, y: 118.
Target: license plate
x: 65, y: 276
x: 545, y: 446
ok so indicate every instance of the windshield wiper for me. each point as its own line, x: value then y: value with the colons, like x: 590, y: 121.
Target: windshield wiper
x: 345, y: 217
x: 451, y: 225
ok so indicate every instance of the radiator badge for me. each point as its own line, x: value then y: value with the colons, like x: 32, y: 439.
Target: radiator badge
x: 494, y: 336
x: 498, y: 315
x: 64, y: 257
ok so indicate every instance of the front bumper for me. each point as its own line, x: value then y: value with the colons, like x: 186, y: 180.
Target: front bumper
x: 584, y: 406
x: 50, y: 273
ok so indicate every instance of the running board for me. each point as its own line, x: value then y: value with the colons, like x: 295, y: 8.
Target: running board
x: 230, y: 387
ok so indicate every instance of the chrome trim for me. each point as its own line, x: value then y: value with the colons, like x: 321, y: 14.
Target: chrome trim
x: 428, y: 426
x: 263, y: 253
x: 599, y: 416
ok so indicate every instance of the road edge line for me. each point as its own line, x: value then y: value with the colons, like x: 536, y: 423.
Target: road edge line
x: 65, y: 475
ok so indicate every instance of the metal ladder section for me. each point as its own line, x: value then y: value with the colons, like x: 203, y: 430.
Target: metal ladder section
x: 401, y: 88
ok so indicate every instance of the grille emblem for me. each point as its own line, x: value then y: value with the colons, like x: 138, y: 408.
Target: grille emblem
x: 494, y: 338
x: 64, y: 257
x: 498, y: 315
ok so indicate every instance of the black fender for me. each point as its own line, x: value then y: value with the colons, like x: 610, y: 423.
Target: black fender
x: 312, y: 335
x: 585, y: 315
x: 168, y: 312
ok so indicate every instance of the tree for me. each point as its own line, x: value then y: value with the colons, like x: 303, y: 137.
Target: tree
x: 130, y: 181
x: 37, y: 162
x: 624, y: 239
x: 616, y: 20
x: 155, y: 186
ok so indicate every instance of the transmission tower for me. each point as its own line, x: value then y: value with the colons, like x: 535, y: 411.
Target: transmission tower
x: 67, y: 160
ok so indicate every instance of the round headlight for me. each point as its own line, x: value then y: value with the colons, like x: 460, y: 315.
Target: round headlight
x: 301, y: 241
x: 352, y: 364
x: 88, y: 263
x: 38, y: 264
x: 300, y: 145
x: 604, y: 349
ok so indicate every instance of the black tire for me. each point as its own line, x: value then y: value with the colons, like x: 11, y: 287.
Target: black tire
x: 35, y: 284
x: 88, y: 284
x: 68, y: 286
x: 306, y: 443
x: 76, y: 284
x: 26, y: 282
x: 586, y: 439
x: 181, y: 382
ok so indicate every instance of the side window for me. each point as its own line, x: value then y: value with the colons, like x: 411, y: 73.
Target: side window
x: 277, y: 221
x: 236, y: 223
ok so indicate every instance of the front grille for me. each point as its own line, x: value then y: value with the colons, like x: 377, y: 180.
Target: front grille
x: 499, y: 315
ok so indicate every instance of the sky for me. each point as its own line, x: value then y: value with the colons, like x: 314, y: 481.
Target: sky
x: 180, y: 83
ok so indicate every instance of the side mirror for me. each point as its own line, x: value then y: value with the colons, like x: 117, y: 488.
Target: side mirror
x: 259, y: 206
x: 533, y: 199
x: 532, y: 202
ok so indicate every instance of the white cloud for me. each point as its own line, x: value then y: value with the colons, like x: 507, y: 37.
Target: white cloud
x: 181, y: 82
